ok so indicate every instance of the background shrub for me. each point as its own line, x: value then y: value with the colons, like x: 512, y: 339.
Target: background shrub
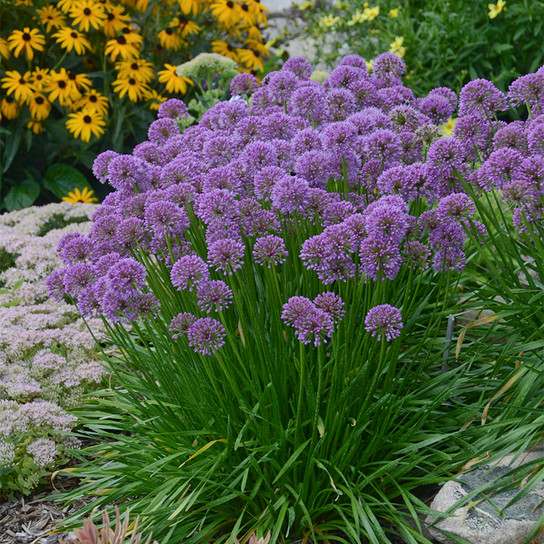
x: 444, y: 43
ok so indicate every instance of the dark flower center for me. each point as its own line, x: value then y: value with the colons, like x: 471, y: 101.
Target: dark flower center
x: 132, y: 81
x: 73, y: 35
x: 87, y: 11
x: 245, y: 7
x: 110, y: 16
x: 71, y: 75
x: 126, y: 30
x: 26, y: 36
x: 87, y: 119
x: 169, y: 31
x: 93, y: 98
x: 229, y: 47
x: 121, y: 40
x: 22, y: 82
x: 39, y: 100
x: 9, y: 99
x: 62, y: 84
x: 230, y: 4
x: 134, y: 66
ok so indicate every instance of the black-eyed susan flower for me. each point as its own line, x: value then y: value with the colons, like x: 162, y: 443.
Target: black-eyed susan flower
x: 83, y: 124
x: 61, y: 88
x: 131, y: 87
x: 258, y: 46
x: 247, y: 15
x: 26, y: 40
x: 139, y: 69
x: 119, y: 46
x: 69, y: 38
x: 86, y: 196
x: 259, y: 11
x: 39, y: 107
x: 51, y: 17
x: 115, y: 19
x: 87, y: 13
x: 170, y: 39
x: 185, y: 26
x: 188, y: 6
x: 35, y: 126
x: 10, y: 108
x: 224, y: 49
x: 66, y: 5
x: 250, y: 59
x: 95, y: 101
x: 226, y: 12
x: 81, y: 81
x: 154, y: 99
x: 39, y: 78
x: 254, y: 33
x: 4, y: 49
x: 132, y: 35
x: 173, y: 83
x: 18, y: 85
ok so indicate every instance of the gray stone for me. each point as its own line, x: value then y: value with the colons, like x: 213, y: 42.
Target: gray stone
x: 479, y: 521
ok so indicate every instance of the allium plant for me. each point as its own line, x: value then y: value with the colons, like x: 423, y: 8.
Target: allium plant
x: 281, y: 305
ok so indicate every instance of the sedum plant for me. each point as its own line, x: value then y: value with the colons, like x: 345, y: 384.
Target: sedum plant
x: 72, y: 71
x: 279, y: 280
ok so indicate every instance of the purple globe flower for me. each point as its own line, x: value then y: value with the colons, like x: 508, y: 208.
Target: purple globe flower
x: 243, y: 84
x: 180, y: 324
x: 206, y: 335
x: 482, y: 97
x: 384, y: 322
x: 187, y: 271
x: 173, y: 108
x: 226, y: 254
x: 332, y: 304
x: 269, y: 250
x: 213, y: 295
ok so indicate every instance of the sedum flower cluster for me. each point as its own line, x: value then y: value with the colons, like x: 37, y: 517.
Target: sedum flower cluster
x: 355, y: 169
x: 48, y: 359
x: 80, y: 58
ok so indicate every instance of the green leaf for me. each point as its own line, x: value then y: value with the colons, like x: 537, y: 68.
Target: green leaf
x: 62, y: 178
x: 22, y: 195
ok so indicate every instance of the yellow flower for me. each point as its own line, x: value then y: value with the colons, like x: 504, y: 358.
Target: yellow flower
x: 495, y: 9
x: 190, y: 5
x: 85, y: 196
x: 139, y: 69
x: 170, y: 39
x: 69, y: 39
x: 18, y: 85
x: 371, y: 13
x: 9, y: 108
x: 4, y: 49
x: 61, y: 87
x: 131, y: 87
x: 51, y: 17
x: 369, y: 65
x: 397, y: 47
x: 328, y: 21
x: 93, y: 100
x: 225, y: 49
x: 259, y: 11
x: 39, y: 107
x: 86, y: 13
x: 119, y: 46
x: 226, y: 12
x: 185, y: 26
x: 394, y: 12
x: 155, y: 99
x: 142, y: 5
x: 306, y: 5
x: 35, y: 126
x: 174, y: 84
x: 40, y: 77
x: 26, y: 40
x: 115, y: 19
x: 83, y: 124
x: 66, y: 5
x: 81, y: 81
x: 448, y: 126
x: 357, y: 18
x: 250, y: 59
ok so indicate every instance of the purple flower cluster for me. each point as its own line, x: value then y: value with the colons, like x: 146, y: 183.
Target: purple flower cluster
x: 342, y: 165
x: 384, y: 322
x: 313, y: 320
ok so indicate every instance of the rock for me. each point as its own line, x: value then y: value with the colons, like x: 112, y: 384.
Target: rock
x: 479, y: 522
